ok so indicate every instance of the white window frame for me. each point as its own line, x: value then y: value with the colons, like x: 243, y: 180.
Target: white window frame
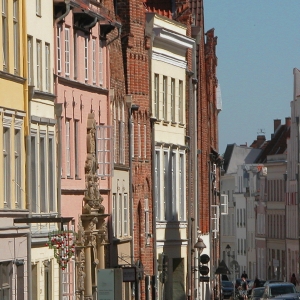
x: 39, y: 65
x: 76, y: 148
x: 18, y: 166
x: 51, y: 172
x: 181, y: 174
x: 157, y: 182
x: 166, y: 206
x: 224, y: 204
x: 58, y: 39
x: 174, y: 209
x: 132, y: 139
x: 165, y: 97
x: 94, y: 60
x: 173, y: 99
x: 43, y: 203
x: 86, y: 58
x: 16, y: 34
x: 180, y: 102
x: 5, y: 60
x: 30, y: 60
x: 119, y: 219
x: 68, y: 147
x: 67, y: 51
x: 47, y: 67
x: 156, y: 95
x: 104, y: 146
x: 114, y: 215
x: 6, y: 161
x: 34, y: 171
x: 101, y: 60
x: 125, y: 214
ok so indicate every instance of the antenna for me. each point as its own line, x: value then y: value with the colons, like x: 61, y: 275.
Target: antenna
x: 261, y: 131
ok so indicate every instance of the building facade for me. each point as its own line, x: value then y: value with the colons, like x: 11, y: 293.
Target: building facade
x: 15, y: 238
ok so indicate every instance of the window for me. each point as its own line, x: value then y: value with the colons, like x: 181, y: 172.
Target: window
x: 51, y: 172
x: 180, y: 102
x: 6, y: 163
x: 139, y: 141
x: 33, y: 155
x: 58, y: 48
x: 30, y: 60
x: 145, y: 141
x: 173, y: 100
x: 104, y: 146
x: 94, y: 60
x: 157, y: 185
x: 114, y: 214
x: 165, y: 98
x: 125, y: 215
x: 16, y: 35
x: 68, y: 281
x: 166, y: 183
x: 39, y: 65
x: 68, y: 149
x: 86, y: 58
x: 43, y: 174
x: 122, y: 142
x: 18, y: 169
x: 47, y: 67
x: 173, y: 209
x: 38, y: 7
x: 5, y: 280
x: 75, y: 54
x: 147, y: 225
x: 4, y: 35
x: 48, y: 280
x: 115, y: 132
x: 67, y: 51
x: 76, y: 148
x: 132, y: 139
x: 156, y: 95
x: 100, y: 62
x: 120, y: 200
x: 181, y: 182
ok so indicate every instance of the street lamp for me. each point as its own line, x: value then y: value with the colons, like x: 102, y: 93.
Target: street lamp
x: 200, y: 245
x: 234, y: 266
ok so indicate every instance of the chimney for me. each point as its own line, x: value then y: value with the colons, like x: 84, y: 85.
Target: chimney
x: 277, y: 123
x: 260, y: 140
x: 288, y: 122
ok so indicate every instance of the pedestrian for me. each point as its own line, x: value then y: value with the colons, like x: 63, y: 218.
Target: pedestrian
x: 256, y: 283
x: 244, y: 274
x: 244, y: 288
x: 294, y: 279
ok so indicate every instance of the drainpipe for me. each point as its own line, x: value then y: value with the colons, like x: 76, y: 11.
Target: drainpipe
x: 116, y: 37
x: 58, y: 109
x: 27, y: 96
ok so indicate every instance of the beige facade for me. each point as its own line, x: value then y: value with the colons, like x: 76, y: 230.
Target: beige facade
x: 168, y: 80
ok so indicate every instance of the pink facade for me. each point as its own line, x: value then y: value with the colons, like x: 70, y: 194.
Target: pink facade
x: 82, y: 87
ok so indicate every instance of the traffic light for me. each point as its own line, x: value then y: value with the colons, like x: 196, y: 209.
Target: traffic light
x: 163, y: 262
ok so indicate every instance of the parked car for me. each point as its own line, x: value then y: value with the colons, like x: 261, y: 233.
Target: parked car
x: 251, y: 283
x: 278, y: 289
x: 257, y: 293
x: 227, y: 289
x: 294, y: 296
x: 272, y: 281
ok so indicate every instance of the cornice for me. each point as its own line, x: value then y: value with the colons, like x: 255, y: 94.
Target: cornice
x: 12, y: 77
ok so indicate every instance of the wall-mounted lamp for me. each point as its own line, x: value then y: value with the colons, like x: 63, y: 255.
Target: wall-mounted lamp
x: 228, y: 249
x: 200, y: 245
x: 19, y: 262
x: 134, y: 107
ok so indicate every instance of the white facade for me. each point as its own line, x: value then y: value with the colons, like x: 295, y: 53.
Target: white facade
x: 292, y: 184
x: 168, y: 82
x: 42, y: 145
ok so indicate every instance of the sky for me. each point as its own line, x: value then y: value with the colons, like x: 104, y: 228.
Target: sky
x: 258, y: 47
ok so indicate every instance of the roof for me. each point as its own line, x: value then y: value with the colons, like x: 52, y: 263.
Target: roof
x: 235, y: 156
x: 277, y: 144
